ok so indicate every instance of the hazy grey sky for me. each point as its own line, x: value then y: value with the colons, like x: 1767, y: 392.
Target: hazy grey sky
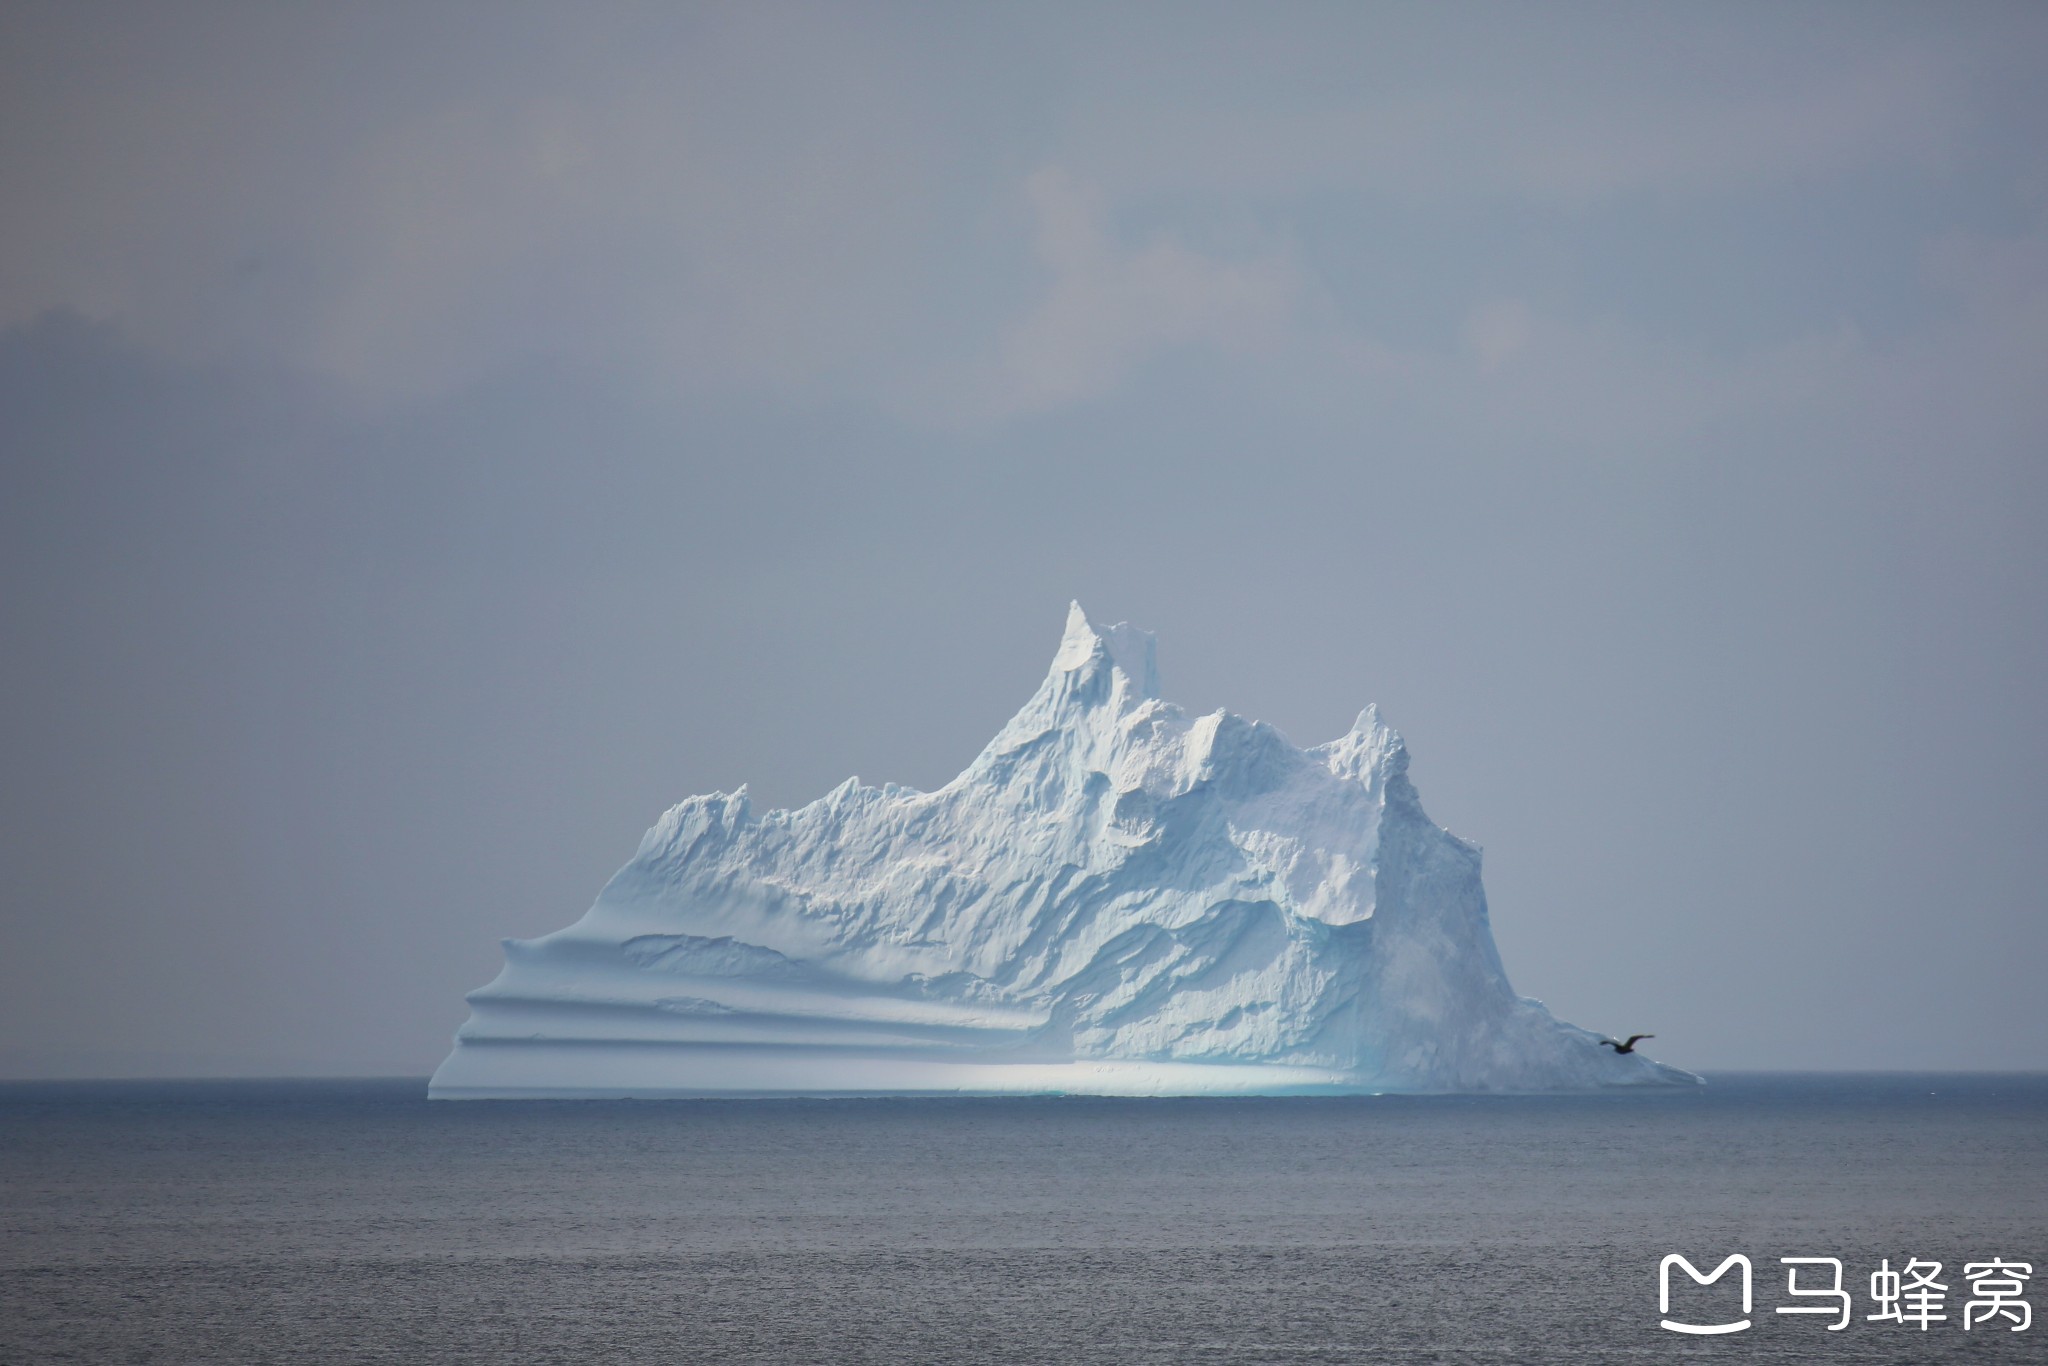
x: 433, y: 439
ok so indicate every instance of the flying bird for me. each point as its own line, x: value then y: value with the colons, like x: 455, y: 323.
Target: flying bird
x: 1628, y: 1047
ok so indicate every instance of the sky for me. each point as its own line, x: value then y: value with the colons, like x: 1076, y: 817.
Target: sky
x: 435, y: 439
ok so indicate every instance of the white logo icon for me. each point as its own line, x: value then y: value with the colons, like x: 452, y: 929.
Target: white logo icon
x: 1664, y: 1292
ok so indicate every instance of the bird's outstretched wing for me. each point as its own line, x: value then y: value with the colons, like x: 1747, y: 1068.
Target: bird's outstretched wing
x: 1633, y: 1038
x: 1611, y: 1043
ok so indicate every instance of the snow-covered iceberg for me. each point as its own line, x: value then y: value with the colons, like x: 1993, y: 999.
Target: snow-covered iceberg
x: 1115, y: 898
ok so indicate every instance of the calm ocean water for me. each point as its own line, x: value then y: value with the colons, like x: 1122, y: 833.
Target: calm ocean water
x: 356, y: 1222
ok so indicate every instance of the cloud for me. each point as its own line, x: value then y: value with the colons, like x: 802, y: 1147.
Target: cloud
x: 796, y: 208
x: 1497, y: 331
x: 734, y: 203
x: 686, y: 237
x: 1572, y: 115
x: 1107, y: 308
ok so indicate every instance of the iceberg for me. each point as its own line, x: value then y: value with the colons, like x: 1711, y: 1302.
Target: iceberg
x: 1114, y: 898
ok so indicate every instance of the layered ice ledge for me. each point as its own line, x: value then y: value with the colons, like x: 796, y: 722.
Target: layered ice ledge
x: 1114, y: 898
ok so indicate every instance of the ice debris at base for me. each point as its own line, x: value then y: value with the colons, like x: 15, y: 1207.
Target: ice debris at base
x: 1114, y: 898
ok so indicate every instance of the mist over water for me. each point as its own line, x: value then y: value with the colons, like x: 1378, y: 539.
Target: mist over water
x: 346, y: 1222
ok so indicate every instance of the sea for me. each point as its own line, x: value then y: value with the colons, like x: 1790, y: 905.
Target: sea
x: 355, y: 1221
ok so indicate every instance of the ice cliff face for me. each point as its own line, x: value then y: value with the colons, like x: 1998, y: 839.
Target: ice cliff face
x: 1115, y: 897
